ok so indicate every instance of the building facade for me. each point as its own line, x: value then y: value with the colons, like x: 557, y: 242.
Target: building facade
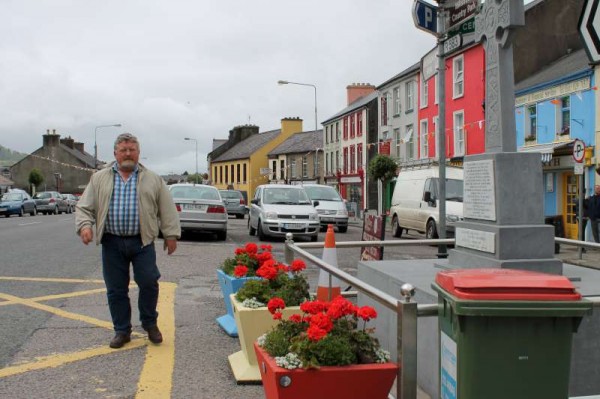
x: 297, y: 160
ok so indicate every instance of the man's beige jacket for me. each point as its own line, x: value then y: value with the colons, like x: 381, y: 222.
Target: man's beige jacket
x: 155, y: 204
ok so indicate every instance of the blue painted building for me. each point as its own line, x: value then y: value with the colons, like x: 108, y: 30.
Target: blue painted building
x: 554, y: 107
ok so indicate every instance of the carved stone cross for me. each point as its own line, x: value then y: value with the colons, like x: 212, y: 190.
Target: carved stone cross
x: 494, y: 26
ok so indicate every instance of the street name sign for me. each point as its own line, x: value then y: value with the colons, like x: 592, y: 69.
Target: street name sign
x: 462, y: 29
x: 589, y: 29
x: 452, y: 43
x: 425, y: 16
x: 459, y: 11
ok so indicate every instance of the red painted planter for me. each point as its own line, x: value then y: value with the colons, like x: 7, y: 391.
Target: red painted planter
x: 360, y: 381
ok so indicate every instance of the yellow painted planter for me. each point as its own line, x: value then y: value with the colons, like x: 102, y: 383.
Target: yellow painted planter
x: 251, y: 324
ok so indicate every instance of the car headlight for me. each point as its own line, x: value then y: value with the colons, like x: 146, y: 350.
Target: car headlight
x: 451, y: 218
x: 342, y: 212
x: 271, y: 215
x: 313, y: 216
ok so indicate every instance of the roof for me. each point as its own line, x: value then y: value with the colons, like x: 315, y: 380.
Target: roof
x: 408, y: 71
x: 84, y: 157
x: 546, y: 150
x: 300, y: 142
x: 574, y: 62
x: 217, y: 143
x: 245, y: 148
x: 361, y: 102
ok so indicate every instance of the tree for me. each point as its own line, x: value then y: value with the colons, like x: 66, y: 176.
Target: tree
x: 382, y: 168
x: 35, y: 178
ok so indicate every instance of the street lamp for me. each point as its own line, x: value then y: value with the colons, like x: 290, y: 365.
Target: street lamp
x: 96, y: 142
x: 285, y: 82
x: 196, y: 140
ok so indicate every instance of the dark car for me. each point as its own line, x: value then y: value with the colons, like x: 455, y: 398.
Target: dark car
x: 17, y: 203
x: 51, y: 202
x: 234, y: 203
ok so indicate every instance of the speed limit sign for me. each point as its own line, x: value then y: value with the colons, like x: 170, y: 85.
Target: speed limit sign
x: 578, y: 150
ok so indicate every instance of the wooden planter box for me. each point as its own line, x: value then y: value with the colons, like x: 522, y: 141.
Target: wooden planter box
x: 229, y: 285
x: 251, y: 324
x: 359, y: 381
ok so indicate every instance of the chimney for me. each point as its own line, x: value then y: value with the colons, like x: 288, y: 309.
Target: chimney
x: 51, y: 140
x: 79, y: 147
x: 290, y: 126
x: 241, y: 133
x: 68, y: 141
x: 358, y: 90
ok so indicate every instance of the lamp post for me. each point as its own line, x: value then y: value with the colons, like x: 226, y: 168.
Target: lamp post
x: 195, y: 140
x: 285, y: 82
x: 96, y: 141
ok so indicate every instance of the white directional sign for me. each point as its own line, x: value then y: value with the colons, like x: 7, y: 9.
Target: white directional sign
x: 589, y: 28
x: 459, y: 11
x: 578, y: 150
x: 425, y: 16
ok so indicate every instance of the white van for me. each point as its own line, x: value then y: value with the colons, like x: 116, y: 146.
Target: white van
x: 415, y: 202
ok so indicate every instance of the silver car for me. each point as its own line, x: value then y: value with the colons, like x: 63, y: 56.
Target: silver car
x: 200, y: 208
x: 277, y: 209
x: 51, y: 202
x: 331, y: 208
x: 234, y: 203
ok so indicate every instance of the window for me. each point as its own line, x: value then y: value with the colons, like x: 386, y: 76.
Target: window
x: 459, y: 133
x: 327, y: 164
x: 274, y: 170
x: 304, y: 166
x: 565, y: 116
x: 293, y: 168
x: 337, y: 132
x: 458, y: 77
x: 352, y: 159
x: 359, y: 123
x: 384, y: 110
x: 436, y: 89
x: 221, y: 174
x: 316, y: 162
x: 282, y: 169
x: 410, y: 143
x: 352, y: 125
x: 345, y: 128
x: 214, y: 174
x: 359, y: 156
x: 327, y: 134
x: 244, y: 169
x: 410, y: 95
x: 345, y: 160
x: 397, y: 107
x: 238, y: 175
x: 337, y: 160
x: 424, y: 93
x: 423, y: 139
x: 397, y: 142
x: 226, y: 175
x: 435, y: 136
x: 531, y: 132
x: 231, y: 170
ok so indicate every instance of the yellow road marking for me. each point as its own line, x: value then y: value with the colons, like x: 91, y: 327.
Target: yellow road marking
x: 65, y: 358
x: 52, y: 280
x: 60, y: 296
x: 156, y: 378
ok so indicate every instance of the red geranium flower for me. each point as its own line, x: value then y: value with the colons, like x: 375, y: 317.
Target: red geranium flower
x: 298, y: 265
x: 267, y: 270
x: 313, y: 307
x: 251, y: 248
x: 322, y: 321
x: 240, y: 271
x: 277, y: 316
x: 315, y: 333
x: 275, y: 304
x: 366, y: 313
x: 340, y: 307
x: 240, y: 251
x: 295, y: 318
x: 266, y: 247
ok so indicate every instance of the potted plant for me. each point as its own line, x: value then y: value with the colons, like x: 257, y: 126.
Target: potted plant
x: 234, y: 272
x: 325, y: 352
x: 529, y: 139
x: 252, y: 307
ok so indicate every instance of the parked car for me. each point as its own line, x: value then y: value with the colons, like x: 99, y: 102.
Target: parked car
x: 50, y: 202
x: 234, y: 203
x: 17, y: 203
x: 277, y: 209
x: 71, y: 200
x: 331, y: 208
x: 200, y: 208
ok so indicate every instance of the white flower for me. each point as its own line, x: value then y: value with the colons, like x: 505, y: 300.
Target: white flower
x: 261, y: 340
x: 290, y: 361
x: 382, y: 355
x: 253, y: 303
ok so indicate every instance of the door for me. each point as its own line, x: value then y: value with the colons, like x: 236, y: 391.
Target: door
x: 570, y: 198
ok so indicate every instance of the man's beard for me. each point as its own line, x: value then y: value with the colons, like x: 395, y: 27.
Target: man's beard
x: 127, y: 165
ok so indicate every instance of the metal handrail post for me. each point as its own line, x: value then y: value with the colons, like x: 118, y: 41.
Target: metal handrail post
x: 289, y: 254
x: 406, y: 383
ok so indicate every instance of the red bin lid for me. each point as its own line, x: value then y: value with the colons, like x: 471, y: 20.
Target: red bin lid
x: 506, y: 285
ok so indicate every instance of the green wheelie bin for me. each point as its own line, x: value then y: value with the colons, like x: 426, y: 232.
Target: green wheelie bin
x: 505, y: 333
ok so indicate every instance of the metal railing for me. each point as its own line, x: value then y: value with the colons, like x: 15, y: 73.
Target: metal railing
x: 407, y: 311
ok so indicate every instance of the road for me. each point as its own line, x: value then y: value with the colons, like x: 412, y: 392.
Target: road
x: 55, y: 322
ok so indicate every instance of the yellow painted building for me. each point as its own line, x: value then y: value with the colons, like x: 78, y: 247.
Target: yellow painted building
x: 239, y: 167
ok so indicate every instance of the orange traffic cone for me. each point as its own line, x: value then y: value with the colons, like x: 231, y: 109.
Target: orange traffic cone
x: 324, y: 293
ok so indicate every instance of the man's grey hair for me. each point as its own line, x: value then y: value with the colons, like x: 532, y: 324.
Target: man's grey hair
x: 126, y: 137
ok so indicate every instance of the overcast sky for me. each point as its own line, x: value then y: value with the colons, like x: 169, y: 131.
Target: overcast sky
x: 167, y: 70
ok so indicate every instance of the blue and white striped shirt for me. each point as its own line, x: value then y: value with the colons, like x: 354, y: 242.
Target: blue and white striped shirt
x: 123, y: 212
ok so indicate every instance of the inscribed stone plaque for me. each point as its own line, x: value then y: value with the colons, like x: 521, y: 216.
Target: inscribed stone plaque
x: 476, y: 239
x: 479, y: 190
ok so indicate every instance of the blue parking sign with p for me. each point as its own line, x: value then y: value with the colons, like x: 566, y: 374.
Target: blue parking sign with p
x: 425, y: 16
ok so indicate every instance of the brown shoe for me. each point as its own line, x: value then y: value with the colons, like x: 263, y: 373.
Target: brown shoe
x: 154, y: 334
x: 119, y: 340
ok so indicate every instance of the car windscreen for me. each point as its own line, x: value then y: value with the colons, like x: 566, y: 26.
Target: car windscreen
x: 285, y: 196
x: 12, y: 197
x: 454, y: 190
x: 195, y: 193
x: 42, y: 195
x: 231, y: 194
x: 322, y: 194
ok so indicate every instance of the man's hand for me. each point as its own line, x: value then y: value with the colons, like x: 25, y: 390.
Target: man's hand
x: 86, y: 235
x: 170, y: 245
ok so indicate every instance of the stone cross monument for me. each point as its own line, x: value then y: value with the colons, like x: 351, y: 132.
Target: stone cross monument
x: 503, y: 190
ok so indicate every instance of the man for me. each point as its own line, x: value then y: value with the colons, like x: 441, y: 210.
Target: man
x: 594, y: 212
x: 128, y: 203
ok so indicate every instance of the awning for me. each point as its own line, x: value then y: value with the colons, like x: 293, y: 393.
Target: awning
x: 546, y: 150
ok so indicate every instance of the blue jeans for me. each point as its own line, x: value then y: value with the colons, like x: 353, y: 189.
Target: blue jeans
x: 117, y: 254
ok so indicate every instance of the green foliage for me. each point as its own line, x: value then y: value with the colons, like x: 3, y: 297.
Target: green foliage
x: 277, y: 342
x: 293, y: 290
x: 382, y: 168
x: 35, y: 177
x: 333, y: 350
x: 258, y: 289
x: 241, y: 259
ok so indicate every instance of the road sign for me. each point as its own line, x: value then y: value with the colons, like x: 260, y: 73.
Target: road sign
x: 589, y: 29
x: 452, y: 43
x: 459, y: 11
x: 466, y: 27
x: 578, y: 150
x: 425, y: 16
x: 578, y: 168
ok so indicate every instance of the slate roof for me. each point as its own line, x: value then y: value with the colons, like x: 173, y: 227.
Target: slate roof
x: 84, y: 157
x: 408, y: 71
x: 300, y: 142
x: 362, y: 101
x: 572, y: 63
x: 244, y: 149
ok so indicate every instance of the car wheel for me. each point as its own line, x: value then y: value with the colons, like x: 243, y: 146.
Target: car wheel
x: 34, y: 212
x: 431, y: 232
x: 396, y: 229
x: 21, y: 212
x: 56, y: 210
x: 251, y: 230
x: 6, y: 215
x: 343, y: 229
x: 221, y: 235
x: 261, y: 234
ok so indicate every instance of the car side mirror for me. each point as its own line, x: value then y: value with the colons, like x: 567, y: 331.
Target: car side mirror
x: 427, y: 198
x: 316, y: 203
x: 255, y: 201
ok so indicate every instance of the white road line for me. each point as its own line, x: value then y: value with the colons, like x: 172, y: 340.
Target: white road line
x: 28, y: 224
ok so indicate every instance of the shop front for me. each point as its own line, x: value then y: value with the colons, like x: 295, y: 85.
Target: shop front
x: 352, y: 190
